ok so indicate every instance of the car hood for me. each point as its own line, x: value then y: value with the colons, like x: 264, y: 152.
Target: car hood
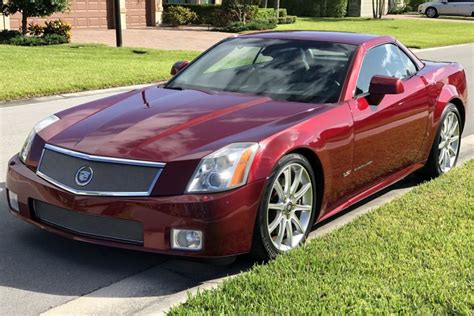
x: 160, y: 124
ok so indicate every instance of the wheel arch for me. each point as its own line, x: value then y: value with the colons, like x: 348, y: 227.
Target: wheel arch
x: 432, y: 7
x: 317, y: 169
x: 462, y: 110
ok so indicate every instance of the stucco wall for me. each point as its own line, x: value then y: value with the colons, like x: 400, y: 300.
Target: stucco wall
x: 366, y: 8
x: 4, y: 22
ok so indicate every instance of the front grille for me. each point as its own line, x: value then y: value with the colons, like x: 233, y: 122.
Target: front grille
x: 103, y: 227
x: 108, y: 176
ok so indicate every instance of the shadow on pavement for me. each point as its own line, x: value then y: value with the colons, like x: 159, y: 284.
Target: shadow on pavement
x: 41, y: 262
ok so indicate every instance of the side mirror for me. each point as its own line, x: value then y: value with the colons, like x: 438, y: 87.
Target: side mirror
x: 178, y: 66
x: 382, y: 85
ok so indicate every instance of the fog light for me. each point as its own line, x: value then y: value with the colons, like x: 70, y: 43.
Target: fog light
x: 13, y: 199
x: 186, y: 239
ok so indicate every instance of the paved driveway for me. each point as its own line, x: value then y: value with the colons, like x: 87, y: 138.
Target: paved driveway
x: 40, y: 271
x: 161, y: 38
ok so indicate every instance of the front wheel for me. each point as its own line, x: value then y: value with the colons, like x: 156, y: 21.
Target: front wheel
x: 287, y: 209
x: 432, y: 12
x: 445, y: 151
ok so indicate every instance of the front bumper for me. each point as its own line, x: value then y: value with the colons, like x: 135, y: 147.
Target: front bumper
x: 226, y: 219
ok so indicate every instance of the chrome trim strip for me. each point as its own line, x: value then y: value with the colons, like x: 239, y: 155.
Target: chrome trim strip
x: 103, y: 158
x: 100, y: 159
x: 99, y: 193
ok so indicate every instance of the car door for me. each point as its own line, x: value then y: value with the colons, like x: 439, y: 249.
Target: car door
x: 388, y: 136
x: 450, y: 7
x: 465, y: 7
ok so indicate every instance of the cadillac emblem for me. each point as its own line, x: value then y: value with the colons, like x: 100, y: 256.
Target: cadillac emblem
x: 84, y: 176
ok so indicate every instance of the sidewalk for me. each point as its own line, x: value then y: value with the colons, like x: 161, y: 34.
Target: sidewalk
x: 159, y: 38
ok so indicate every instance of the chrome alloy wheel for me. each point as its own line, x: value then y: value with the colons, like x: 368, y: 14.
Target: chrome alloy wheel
x: 449, y: 142
x: 290, y: 207
x: 431, y: 12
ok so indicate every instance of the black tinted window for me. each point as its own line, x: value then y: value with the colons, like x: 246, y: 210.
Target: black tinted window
x: 385, y: 60
x: 295, y: 70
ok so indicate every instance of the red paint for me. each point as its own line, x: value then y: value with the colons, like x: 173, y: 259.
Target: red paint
x: 361, y: 147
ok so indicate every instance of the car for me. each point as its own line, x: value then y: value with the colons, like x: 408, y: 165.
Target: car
x: 245, y: 149
x: 447, y: 7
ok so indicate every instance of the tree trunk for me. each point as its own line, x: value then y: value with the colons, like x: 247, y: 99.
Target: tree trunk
x: 374, y: 14
x: 24, y: 23
x: 265, y: 4
x: 277, y: 8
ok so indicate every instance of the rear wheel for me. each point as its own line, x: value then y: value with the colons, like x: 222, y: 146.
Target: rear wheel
x: 287, y: 209
x: 445, y: 151
x: 432, y: 12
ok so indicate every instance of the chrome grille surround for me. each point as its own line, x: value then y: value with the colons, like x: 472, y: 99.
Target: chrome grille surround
x: 145, y: 169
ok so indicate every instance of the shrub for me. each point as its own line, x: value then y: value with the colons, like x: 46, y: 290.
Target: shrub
x: 58, y: 27
x: 206, y: 14
x: 415, y: 3
x: 400, y: 9
x: 315, y: 8
x: 7, y: 35
x: 50, y: 39
x: 55, y: 39
x: 35, y: 29
x: 239, y: 10
x: 237, y: 27
x: 289, y: 19
x: 179, y: 15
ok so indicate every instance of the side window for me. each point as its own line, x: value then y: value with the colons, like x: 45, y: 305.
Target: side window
x: 384, y: 60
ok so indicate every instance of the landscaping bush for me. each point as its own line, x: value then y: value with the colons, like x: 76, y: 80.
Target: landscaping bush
x: 35, y: 29
x: 289, y: 19
x: 50, y: 39
x: 57, y: 27
x: 316, y: 8
x: 415, y: 3
x: 7, y: 35
x: 267, y: 13
x: 179, y: 15
x: 400, y: 10
x: 237, y: 27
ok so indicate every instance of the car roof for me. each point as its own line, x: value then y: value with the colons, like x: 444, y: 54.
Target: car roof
x: 323, y: 36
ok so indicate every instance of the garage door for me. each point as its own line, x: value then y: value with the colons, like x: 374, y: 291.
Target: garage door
x: 136, y: 13
x: 83, y: 14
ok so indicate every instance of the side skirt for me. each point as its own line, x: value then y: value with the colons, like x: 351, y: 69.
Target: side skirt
x: 397, y: 176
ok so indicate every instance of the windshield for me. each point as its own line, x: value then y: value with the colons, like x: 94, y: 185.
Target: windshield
x: 293, y: 70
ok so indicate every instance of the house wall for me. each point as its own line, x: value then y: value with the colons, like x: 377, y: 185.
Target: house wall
x: 100, y: 14
x: 366, y: 8
x: 4, y: 22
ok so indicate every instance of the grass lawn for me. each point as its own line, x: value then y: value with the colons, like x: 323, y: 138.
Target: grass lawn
x: 414, y: 255
x: 35, y: 71
x: 413, y: 33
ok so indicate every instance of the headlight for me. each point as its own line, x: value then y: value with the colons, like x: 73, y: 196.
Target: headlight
x: 224, y: 169
x: 25, y: 150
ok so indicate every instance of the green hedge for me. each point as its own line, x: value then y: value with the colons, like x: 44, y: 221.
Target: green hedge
x: 315, y: 8
x: 206, y: 14
x: 415, y: 3
x: 237, y: 27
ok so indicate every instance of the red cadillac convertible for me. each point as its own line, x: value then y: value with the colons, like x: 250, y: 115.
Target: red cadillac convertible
x: 245, y: 148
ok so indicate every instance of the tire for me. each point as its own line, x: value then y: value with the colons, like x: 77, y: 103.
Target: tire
x: 447, y: 140
x: 285, y: 208
x: 431, y: 12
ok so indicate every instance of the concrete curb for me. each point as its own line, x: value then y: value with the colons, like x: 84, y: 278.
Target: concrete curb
x: 105, y: 301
